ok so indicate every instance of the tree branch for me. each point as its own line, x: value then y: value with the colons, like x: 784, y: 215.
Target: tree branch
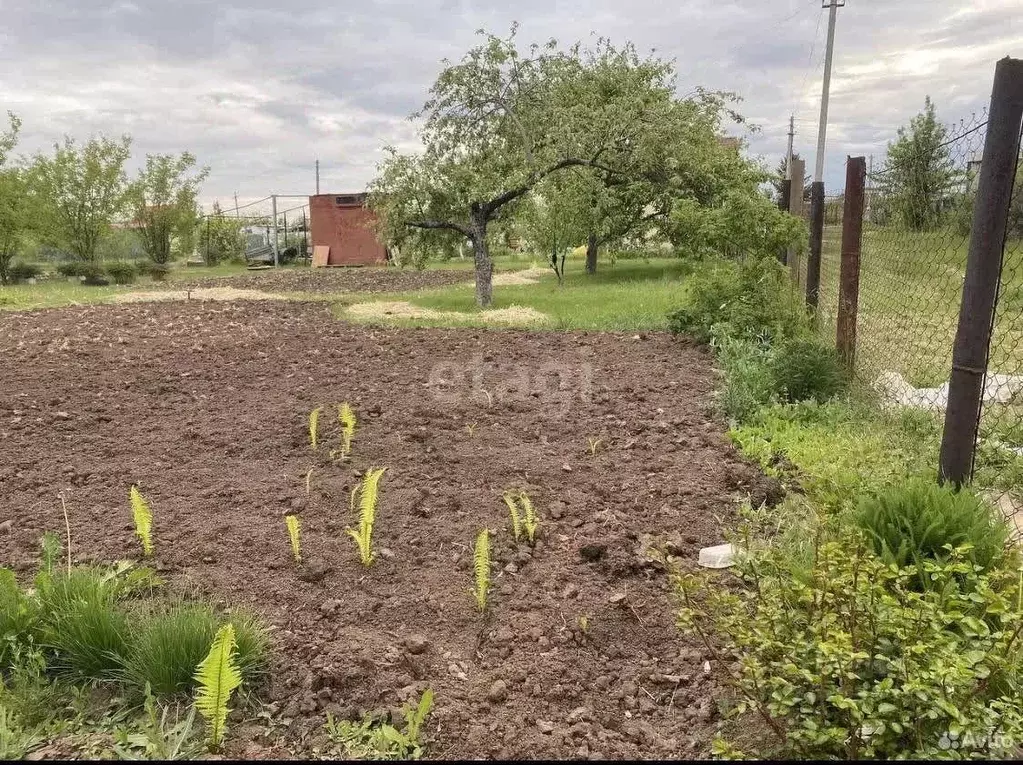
x: 435, y: 224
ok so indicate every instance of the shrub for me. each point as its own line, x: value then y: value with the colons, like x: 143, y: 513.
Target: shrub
x: 158, y: 271
x: 71, y: 268
x: 168, y: 643
x: 748, y: 300
x: 122, y: 271
x: 854, y: 662
x: 21, y: 271
x: 806, y: 369
x: 920, y: 521
x: 748, y: 383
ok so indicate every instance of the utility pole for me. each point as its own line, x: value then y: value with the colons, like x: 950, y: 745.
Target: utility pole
x: 813, y: 263
x: 273, y: 198
x: 788, y: 154
x: 317, y: 177
x: 236, y: 204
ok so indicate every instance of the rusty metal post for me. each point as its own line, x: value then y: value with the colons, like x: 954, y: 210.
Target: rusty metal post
x: 813, y: 260
x: 849, y: 281
x: 983, y: 267
x: 783, y: 204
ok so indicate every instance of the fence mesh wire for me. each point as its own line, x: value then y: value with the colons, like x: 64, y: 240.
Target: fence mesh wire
x: 998, y: 460
x: 916, y: 231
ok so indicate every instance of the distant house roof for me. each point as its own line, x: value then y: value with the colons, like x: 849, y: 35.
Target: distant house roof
x: 730, y: 142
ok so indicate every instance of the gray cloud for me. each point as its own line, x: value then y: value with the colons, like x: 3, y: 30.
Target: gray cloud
x: 258, y: 90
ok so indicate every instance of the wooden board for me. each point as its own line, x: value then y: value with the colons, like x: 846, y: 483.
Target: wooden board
x: 321, y: 253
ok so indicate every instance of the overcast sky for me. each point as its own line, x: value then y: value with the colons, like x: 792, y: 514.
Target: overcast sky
x: 258, y: 92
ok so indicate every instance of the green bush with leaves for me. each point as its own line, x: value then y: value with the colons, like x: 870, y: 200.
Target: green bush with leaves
x: 374, y: 739
x: 806, y: 368
x: 744, y: 300
x: 22, y: 271
x: 122, y: 271
x: 854, y: 661
x: 918, y: 521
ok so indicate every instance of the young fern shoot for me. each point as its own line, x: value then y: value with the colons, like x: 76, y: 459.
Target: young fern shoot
x: 530, y: 523
x: 513, y: 511
x: 367, y: 493
x: 314, y: 425
x: 346, y: 417
x: 218, y: 676
x: 294, y: 534
x: 481, y: 569
x: 143, y: 517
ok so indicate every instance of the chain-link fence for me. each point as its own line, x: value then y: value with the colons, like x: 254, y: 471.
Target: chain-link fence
x: 998, y: 461
x: 934, y: 280
x: 916, y: 232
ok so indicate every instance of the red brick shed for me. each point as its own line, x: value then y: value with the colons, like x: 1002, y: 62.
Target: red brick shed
x: 343, y: 223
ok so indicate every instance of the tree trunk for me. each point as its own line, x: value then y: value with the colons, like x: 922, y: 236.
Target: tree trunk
x: 592, y: 246
x: 481, y: 257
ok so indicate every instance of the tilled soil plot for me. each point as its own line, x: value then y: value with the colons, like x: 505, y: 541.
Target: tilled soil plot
x: 329, y: 280
x: 205, y: 406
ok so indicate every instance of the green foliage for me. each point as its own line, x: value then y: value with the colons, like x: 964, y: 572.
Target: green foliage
x: 18, y: 617
x: 346, y: 419
x: 918, y: 521
x: 81, y: 623
x: 15, y: 740
x: 21, y: 271
x: 143, y: 518
x: 294, y: 526
x: 509, y: 498
x: 748, y: 300
x: 162, y: 201
x: 82, y: 188
x: 168, y: 641
x: 220, y: 238
x: 122, y: 271
x: 18, y: 203
x: 918, y: 178
x: 373, y: 739
x: 807, y: 368
x: 217, y: 677
x: 158, y: 737
x: 481, y: 569
x: 367, y: 492
x: 742, y: 223
x: 88, y: 269
x: 530, y: 523
x: 314, y: 426
x: 839, y: 450
x: 854, y: 661
x: 748, y: 383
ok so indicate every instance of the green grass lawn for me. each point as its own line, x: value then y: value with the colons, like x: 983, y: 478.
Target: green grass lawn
x: 632, y: 295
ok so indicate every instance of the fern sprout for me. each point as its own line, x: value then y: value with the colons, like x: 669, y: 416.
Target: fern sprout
x: 308, y: 481
x: 529, y: 520
x: 294, y: 530
x: 314, y: 425
x: 218, y: 676
x: 367, y: 493
x: 513, y: 511
x: 143, y: 517
x: 346, y: 417
x: 481, y: 569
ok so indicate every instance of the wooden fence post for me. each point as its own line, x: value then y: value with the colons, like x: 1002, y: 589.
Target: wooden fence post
x: 849, y: 281
x: 983, y: 271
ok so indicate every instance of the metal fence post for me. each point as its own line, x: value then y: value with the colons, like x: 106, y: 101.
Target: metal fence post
x: 849, y: 281
x: 783, y: 204
x: 813, y: 260
x: 983, y: 267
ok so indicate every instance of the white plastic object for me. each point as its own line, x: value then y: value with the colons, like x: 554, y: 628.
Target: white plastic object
x: 719, y: 556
